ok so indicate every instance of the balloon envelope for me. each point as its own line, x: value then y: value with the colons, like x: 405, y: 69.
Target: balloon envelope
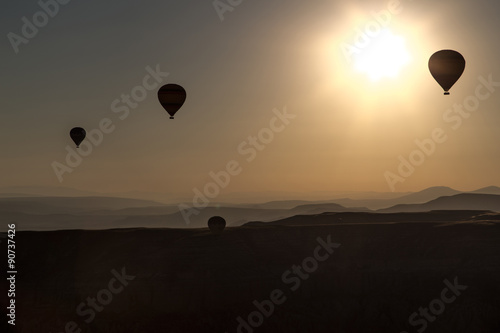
x: 446, y: 67
x: 77, y: 134
x: 216, y: 224
x: 171, y: 97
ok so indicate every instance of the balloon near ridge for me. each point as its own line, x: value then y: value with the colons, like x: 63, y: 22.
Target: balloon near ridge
x: 216, y: 224
x: 446, y: 66
x: 77, y: 134
x: 172, y: 97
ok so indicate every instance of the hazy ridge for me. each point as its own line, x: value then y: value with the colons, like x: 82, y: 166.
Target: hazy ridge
x: 90, y: 212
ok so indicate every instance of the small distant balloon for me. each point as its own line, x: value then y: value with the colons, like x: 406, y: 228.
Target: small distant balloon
x: 446, y: 67
x: 216, y: 224
x: 172, y: 97
x: 77, y: 134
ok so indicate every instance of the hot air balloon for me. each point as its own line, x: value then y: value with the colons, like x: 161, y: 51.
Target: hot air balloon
x: 171, y: 97
x: 216, y: 224
x: 77, y: 134
x: 446, y: 67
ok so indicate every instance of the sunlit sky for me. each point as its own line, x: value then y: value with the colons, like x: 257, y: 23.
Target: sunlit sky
x: 349, y: 129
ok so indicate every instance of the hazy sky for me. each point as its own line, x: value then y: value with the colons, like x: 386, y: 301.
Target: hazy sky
x: 347, y: 131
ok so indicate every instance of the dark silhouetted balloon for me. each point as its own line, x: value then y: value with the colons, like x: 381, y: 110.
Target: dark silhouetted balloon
x: 446, y: 67
x: 216, y: 224
x: 77, y: 135
x: 171, y: 97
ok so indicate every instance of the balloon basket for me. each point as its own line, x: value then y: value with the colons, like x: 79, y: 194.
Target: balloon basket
x: 171, y: 117
x: 446, y: 93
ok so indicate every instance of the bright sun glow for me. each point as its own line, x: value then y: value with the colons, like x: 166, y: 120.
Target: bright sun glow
x: 383, y: 57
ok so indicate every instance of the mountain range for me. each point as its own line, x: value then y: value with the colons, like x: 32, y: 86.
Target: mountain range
x: 99, y: 212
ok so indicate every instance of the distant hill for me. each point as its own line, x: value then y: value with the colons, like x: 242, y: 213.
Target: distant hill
x: 423, y: 196
x: 326, y: 207
x: 43, y: 222
x: 470, y: 201
x: 428, y: 194
x: 488, y: 190
x: 363, y: 201
x: 62, y: 205
x: 371, y: 217
x: 283, y: 204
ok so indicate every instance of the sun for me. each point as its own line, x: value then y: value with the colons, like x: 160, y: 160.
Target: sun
x: 384, y: 57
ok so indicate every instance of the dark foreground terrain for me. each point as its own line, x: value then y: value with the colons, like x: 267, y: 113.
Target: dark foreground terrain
x: 377, y: 278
